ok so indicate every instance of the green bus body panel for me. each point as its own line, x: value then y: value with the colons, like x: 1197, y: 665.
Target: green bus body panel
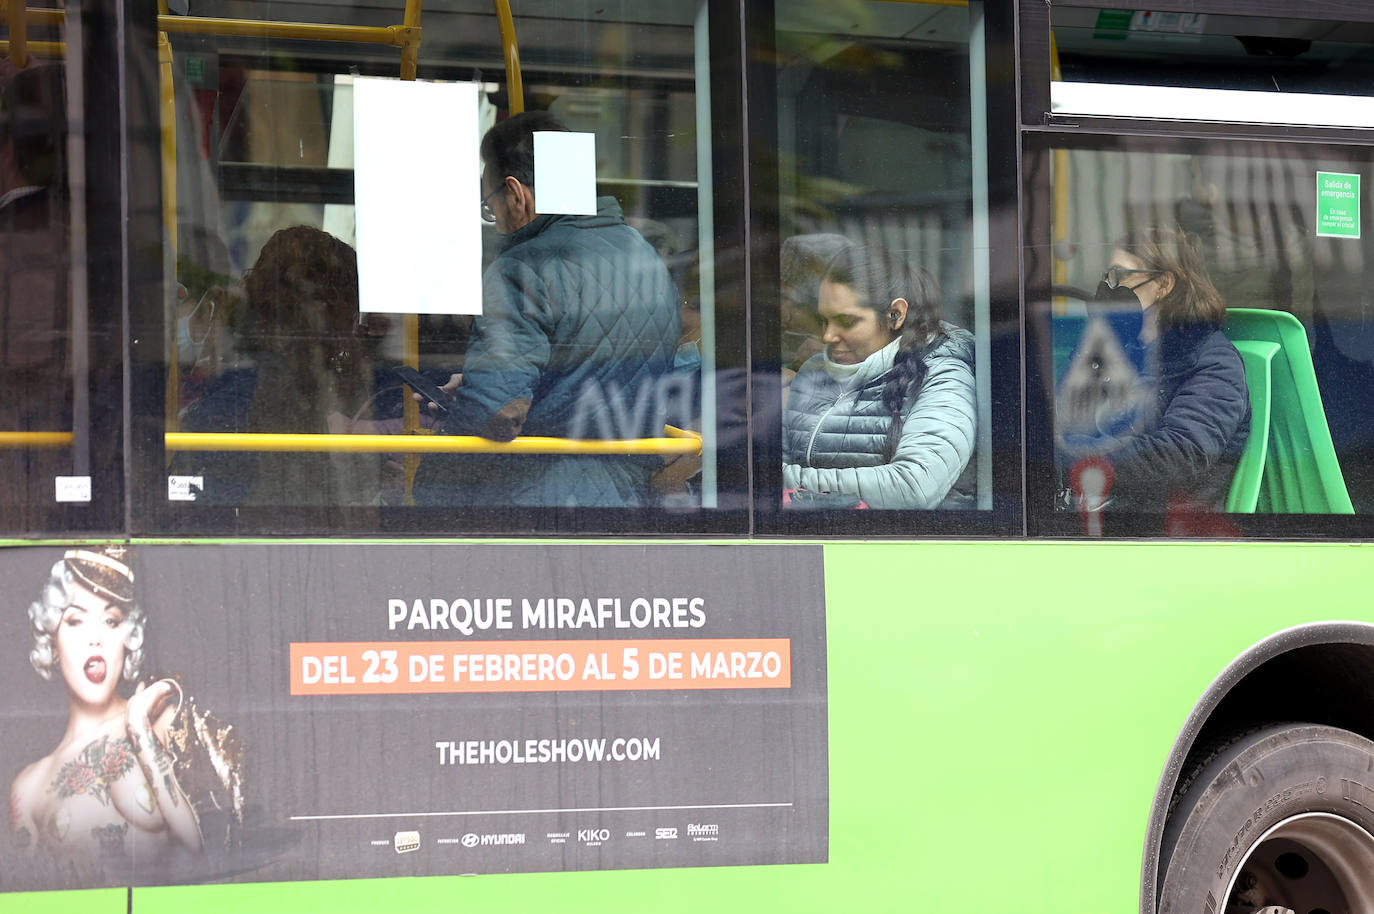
x: 999, y: 717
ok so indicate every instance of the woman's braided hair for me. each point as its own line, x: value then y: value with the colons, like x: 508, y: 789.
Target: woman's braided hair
x: 878, y: 277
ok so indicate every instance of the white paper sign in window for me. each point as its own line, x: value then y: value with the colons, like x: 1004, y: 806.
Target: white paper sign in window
x: 416, y: 197
x: 73, y: 488
x: 565, y: 172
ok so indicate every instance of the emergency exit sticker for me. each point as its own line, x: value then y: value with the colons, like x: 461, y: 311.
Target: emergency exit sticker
x: 1338, y: 205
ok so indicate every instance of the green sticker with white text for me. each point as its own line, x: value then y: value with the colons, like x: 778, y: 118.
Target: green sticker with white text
x: 1338, y: 205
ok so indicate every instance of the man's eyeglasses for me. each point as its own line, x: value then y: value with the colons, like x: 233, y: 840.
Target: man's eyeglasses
x: 487, y: 215
x: 1114, y: 276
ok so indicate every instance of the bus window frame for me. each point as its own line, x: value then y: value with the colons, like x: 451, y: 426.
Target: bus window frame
x: 1043, y: 519
x: 107, y: 291
x: 1036, y: 57
x: 152, y: 514
x: 1004, y: 519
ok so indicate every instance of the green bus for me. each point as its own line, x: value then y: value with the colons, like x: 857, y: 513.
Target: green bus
x: 908, y: 454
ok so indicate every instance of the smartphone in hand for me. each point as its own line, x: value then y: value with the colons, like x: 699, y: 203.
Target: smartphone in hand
x: 424, y: 387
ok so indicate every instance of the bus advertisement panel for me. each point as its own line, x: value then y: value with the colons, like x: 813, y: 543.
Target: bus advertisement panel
x: 272, y: 713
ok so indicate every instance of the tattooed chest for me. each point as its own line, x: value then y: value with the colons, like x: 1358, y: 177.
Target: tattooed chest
x: 93, y: 797
x: 95, y: 769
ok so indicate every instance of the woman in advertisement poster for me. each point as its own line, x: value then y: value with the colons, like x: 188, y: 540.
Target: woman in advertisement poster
x: 107, y: 794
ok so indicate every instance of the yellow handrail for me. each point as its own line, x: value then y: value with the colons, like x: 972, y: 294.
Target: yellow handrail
x: 410, y: 39
x: 167, y: 107
x: 46, y: 49
x: 34, y: 16
x: 1059, y: 213
x: 511, y: 51
x: 410, y: 323
x: 35, y: 439
x: 19, y: 33
x: 394, y: 35
x: 675, y: 442
x: 399, y: 36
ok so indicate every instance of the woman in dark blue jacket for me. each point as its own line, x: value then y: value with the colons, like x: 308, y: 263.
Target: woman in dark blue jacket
x: 1189, y: 424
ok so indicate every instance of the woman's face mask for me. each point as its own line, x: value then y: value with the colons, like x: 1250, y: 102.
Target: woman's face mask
x: 1120, y: 295
x: 188, y: 347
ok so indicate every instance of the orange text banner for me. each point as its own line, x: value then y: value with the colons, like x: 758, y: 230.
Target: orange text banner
x: 390, y: 667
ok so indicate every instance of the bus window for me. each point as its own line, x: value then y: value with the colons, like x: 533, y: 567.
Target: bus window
x: 60, y: 435
x: 885, y: 321
x: 1204, y: 344
x: 584, y: 378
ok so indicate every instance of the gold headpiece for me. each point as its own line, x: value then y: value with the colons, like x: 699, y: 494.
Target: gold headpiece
x: 102, y: 571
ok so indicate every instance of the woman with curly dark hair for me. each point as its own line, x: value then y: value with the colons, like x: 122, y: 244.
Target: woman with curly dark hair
x: 888, y: 412
x: 302, y: 358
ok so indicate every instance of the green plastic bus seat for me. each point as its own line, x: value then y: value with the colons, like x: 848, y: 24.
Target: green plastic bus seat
x: 1258, y: 357
x: 1299, y: 471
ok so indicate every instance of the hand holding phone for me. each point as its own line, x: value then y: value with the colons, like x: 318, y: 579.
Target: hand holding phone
x: 423, y: 386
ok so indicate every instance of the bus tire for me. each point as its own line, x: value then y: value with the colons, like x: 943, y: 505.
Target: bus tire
x: 1280, y: 818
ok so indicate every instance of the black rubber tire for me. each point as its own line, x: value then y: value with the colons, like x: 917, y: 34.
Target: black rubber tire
x: 1249, y: 785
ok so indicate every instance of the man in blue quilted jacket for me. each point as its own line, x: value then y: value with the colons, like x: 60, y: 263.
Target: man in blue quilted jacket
x: 579, y: 324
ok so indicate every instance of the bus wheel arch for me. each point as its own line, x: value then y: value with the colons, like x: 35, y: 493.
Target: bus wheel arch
x: 1318, y: 674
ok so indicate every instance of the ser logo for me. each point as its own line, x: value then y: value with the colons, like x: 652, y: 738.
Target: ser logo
x: 406, y: 841
x: 665, y: 834
x: 593, y: 835
x: 470, y: 840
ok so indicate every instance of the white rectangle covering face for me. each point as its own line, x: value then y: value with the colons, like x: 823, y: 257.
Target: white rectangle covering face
x: 565, y: 173
x: 1176, y: 103
x: 416, y: 197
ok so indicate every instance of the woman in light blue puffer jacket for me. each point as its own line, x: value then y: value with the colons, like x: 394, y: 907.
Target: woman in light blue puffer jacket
x: 888, y: 413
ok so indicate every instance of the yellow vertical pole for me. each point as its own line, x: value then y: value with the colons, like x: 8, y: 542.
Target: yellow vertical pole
x: 19, y: 33
x: 410, y: 50
x: 515, y: 87
x: 168, y: 117
x: 1059, y: 215
x: 410, y: 323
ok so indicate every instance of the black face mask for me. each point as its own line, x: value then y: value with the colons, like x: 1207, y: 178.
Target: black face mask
x: 1119, y: 295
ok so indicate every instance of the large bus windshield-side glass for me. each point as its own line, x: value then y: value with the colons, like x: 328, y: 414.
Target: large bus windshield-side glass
x: 571, y: 367
x: 1206, y: 319
x: 60, y: 438
x: 883, y: 272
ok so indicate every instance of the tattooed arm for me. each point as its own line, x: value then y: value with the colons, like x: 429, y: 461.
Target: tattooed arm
x: 22, y: 829
x: 145, y: 707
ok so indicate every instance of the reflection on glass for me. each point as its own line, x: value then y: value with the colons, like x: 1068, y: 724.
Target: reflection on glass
x: 877, y: 143
x: 885, y: 416
x: 1159, y: 408
x: 1154, y: 397
x: 298, y: 361
x: 37, y: 360
x: 579, y: 326
x: 266, y: 147
x: 1200, y: 66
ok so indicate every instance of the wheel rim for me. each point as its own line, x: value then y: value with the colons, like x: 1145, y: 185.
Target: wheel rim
x: 1315, y: 863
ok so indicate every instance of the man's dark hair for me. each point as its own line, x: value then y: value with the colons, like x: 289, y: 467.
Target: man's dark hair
x: 508, y: 147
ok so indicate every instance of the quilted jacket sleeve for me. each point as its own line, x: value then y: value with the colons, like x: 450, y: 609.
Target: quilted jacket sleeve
x: 938, y: 434
x: 509, y: 347
x: 1195, y: 428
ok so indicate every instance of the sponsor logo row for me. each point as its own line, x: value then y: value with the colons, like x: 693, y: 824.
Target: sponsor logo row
x: 406, y: 841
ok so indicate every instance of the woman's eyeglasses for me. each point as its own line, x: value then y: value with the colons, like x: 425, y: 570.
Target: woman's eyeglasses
x: 1114, y: 276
